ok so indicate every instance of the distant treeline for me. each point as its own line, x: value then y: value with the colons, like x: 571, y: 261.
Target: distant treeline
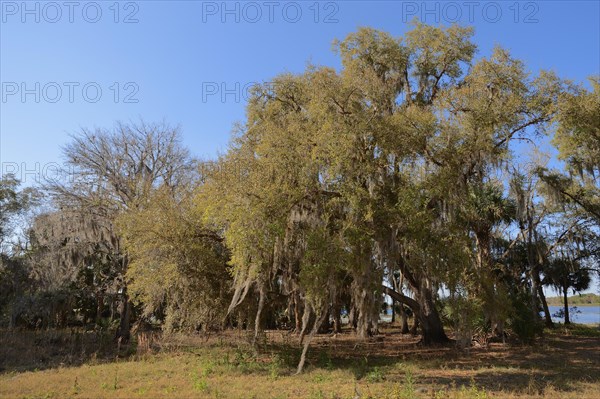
x: 577, y: 300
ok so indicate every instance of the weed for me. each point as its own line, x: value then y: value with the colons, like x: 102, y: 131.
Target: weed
x: 199, y: 383
x: 320, y: 377
x: 408, y: 388
x: 275, y: 366
x: 76, y: 387
x: 473, y: 392
x: 116, y: 380
x: 325, y: 361
x: 208, y: 369
x: 375, y: 375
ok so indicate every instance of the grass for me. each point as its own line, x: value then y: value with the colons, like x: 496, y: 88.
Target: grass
x: 580, y: 330
x: 564, y: 364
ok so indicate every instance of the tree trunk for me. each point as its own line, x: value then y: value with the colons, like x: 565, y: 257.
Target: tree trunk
x: 123, y: 332
x: 415, y: 326
x: 547, y: 316
x: 433, y: 329
x: 425, y: 312
x: 363, y: 302
x: 318, y: 321
x: 565, y: 293
x: 305, y: 320
x: 533, y: 271
x: 297, y: 315
x: 352, y: 317
x: 261, y: 304
x: 431, y: 323
x: 404, y: 317
x: 535, y: 310
x: 325, y: 325
x: 99, y: 307
x: 397, y: 289
x: 337, y: 319
x: 362, y: 319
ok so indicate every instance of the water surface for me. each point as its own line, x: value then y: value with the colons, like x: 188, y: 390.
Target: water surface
x: 583, y: 314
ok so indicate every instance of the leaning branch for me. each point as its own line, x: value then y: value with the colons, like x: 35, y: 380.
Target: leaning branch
x: 403, y: 299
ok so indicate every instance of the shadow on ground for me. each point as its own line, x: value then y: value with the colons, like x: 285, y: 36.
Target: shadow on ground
x: 560, y: 360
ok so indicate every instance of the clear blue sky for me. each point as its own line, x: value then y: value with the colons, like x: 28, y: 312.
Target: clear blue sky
x: 179, y: 52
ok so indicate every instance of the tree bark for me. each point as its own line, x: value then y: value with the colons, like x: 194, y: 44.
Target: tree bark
x: 261, y: 304
x: 415, y: 326
x: 547, y: 315
x: 297, y: 316
x: 397, y: 289
x: 305, y: 320
x: 425, y: 311
x: 352, y: 317
x: 403, y: 315
x: 404, y: 318
x: 99, y: 306
x: 566, y: 300
x: 318, y: 321
x: 534, y: 261
x: 337, y: 319
x: 363, y: 303
x: 431, y: 324
x: 123, y: 332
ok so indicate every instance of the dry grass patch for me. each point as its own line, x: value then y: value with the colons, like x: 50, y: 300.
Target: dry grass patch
x: 391, y: 366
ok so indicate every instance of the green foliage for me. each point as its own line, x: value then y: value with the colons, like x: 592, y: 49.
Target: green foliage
x: 578, y: 135
x: 466, y: 317
x: 577, y: 138
x: 166, y: 239
x: 320, y: 265
x: 520, y: 321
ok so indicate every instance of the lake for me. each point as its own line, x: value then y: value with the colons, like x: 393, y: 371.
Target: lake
x: 588, y: 315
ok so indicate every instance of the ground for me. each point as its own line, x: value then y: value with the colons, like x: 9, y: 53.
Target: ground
x: 565, y: 363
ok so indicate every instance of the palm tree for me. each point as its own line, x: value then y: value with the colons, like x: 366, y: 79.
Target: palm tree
x: 563, y: 273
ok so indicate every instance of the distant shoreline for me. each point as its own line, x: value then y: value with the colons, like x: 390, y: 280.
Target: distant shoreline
x: 576, y: 300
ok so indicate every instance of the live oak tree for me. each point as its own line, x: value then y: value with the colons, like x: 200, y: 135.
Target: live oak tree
x: 578, y: 141
x: 392, y: 161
